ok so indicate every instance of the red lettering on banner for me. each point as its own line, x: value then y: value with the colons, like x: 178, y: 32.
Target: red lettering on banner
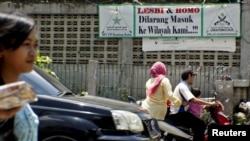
x: 150, y: 10
x: 187, y: 10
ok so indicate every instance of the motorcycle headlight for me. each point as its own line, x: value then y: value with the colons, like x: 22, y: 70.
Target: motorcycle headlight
x: 125, y: 120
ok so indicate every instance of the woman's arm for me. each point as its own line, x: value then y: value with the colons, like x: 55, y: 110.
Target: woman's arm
x: 4, y: 114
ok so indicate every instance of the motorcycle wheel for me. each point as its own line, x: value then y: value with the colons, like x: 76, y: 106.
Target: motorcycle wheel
x: 170, y: 137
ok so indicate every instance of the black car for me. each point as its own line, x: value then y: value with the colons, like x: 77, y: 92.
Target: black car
x: 65, y: 116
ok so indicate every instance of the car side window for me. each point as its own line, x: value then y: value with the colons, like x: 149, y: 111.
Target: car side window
x: 39, y: 84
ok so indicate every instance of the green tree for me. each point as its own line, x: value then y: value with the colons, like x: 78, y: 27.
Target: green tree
x: 44, y: 62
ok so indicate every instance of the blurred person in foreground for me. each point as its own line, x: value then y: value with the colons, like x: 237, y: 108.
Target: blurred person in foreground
x: 159, y: 92
x: 18, y: 50
x: 180, y: 115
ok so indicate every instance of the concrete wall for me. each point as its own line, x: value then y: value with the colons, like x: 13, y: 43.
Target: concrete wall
x: 126, y: 51
x: 45, y: 8
x: 231, y: 92
x: 245, y: 41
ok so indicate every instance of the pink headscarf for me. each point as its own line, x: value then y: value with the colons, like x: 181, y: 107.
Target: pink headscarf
x: 158, y: 71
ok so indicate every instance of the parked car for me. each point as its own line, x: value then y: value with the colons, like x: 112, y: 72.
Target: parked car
x: 65, y: 116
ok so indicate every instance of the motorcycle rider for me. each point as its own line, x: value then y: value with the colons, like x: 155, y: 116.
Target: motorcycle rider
x: 158, y: 92
x: 179, y: 114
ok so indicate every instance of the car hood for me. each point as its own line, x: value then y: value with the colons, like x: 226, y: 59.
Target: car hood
x: 106, y: 103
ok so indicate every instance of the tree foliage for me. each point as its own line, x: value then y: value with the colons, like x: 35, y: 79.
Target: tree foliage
x: 44, y: 62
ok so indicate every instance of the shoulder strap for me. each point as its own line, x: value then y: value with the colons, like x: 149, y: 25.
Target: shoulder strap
x: 182, y: 108
x: 182, y: 95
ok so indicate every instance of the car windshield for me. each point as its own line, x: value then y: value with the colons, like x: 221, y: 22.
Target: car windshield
x: 45, y: 84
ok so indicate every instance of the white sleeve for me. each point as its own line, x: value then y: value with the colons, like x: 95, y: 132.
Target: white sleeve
x: 184, y: 90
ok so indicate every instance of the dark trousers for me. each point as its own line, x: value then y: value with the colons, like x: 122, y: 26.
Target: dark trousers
x: 188, y: 120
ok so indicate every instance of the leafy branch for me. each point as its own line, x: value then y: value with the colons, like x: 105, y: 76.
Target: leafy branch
x: 44, y: 62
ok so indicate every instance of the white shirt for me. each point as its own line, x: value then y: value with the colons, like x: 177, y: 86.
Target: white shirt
x: 182, y: 87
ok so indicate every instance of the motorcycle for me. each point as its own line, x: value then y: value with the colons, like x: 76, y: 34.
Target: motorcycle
x: 170, y: 132
x: 174, y: 132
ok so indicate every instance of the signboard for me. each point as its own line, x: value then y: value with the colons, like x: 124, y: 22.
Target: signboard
x: 116, y: 21
x: 168, y: 21
x: 209, y: 44
x: 221, y: 20
x: 193, y: 20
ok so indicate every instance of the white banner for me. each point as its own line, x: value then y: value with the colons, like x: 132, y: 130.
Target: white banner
x: 116, y: 21
x: 165, y: 21
x: 145, y: 21
x: 222, y: 20
x: 209, y: 44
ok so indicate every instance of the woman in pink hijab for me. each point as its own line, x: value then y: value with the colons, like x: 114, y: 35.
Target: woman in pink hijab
x: 159, y: 91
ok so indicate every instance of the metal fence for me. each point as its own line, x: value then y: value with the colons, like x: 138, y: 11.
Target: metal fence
x: 74, y: 76
x: 116, y: 81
